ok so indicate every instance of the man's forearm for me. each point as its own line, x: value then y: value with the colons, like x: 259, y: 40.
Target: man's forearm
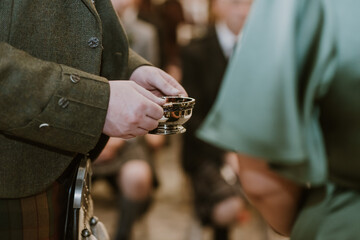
x: 276, y: 198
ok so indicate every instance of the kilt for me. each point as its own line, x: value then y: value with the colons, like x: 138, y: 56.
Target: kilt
x: 41, y: 216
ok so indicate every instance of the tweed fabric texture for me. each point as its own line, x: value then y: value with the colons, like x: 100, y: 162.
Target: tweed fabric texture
x: 46, y: 119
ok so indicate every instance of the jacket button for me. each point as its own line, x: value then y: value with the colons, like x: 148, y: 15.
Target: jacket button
x: 93, y: 42
x: 44, y: 125
x: 74, y: 78
x: 63, y: 102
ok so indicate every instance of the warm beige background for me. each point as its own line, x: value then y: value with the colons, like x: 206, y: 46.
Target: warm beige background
x: 171, y: 216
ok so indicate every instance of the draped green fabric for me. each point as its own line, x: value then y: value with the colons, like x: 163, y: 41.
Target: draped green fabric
x: 291, y: 96
x: 266, y: 106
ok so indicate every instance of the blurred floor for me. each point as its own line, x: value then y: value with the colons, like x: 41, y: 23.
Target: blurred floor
x: 171, y: 216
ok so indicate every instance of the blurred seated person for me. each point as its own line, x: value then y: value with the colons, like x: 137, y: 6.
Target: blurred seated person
x: 127, y: 164
x: 128, y: 167
x: 171, y: 16
x: 218, y: 199
x: 143, y: 36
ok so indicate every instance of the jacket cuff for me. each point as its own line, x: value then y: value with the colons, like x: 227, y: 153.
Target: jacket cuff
x: 74, y: 117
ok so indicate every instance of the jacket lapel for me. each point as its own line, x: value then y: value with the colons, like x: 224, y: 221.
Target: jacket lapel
x: 92, y: 8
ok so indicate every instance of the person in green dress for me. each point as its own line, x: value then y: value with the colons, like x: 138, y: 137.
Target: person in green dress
x: 290, y: 106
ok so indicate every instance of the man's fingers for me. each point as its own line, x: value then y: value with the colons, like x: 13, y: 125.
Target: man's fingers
x: 149, y: 95
x: 157, y: 81
x: 170, y: 85
x: 149, y: 123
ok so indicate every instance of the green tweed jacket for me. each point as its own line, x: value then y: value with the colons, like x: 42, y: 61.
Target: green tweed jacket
x: 56, y: 57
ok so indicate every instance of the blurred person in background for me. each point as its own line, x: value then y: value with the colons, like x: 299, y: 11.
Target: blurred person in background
x: 290, y: 101
x: 62, y: 71
x: 143, y: 36
x: 147, y: 11
x: 218, y: 198
x: 171, y: 15
x: 128, y: 164
x: 166, y: 16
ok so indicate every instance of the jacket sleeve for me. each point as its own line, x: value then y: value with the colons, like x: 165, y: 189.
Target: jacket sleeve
x: 135, y: 61
x: 50, y: 103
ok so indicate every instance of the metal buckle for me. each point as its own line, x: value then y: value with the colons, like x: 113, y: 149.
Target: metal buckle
x: 83, y: 182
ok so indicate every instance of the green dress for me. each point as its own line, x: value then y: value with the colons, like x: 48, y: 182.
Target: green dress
x: 291, y: 95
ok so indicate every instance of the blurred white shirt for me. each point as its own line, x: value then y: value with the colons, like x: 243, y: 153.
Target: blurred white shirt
x: 227, y: 38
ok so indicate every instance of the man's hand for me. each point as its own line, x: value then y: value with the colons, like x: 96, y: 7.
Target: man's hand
x: 157, y: 81
x: 132, y: 111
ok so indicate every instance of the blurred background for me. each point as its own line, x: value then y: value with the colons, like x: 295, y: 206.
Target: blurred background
x: 171, y: 216
x: 176, y: 187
